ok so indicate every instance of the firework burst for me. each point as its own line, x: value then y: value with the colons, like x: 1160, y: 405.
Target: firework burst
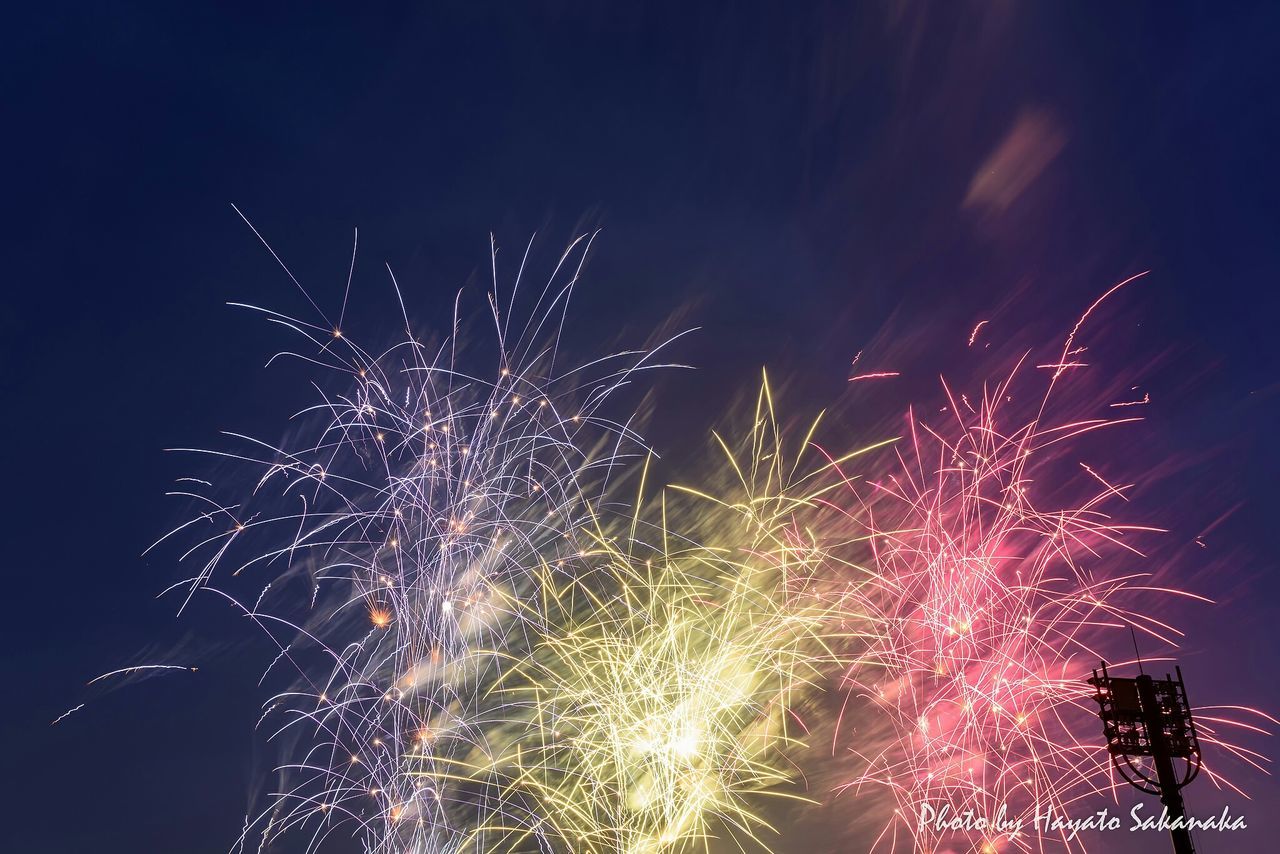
x: 419, y: 501
x: 1001, y: 575
x: 662, y: 700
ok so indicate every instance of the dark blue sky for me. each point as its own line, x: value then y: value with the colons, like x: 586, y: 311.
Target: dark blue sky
x: 793, y: 177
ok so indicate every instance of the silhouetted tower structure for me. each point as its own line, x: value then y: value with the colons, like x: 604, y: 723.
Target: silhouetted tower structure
x: 1146, y: 719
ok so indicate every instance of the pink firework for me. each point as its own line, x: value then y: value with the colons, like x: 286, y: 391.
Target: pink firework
x: 1000, y: 578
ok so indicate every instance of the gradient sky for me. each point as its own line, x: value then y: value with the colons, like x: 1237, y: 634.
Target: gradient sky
x: 794, y: 179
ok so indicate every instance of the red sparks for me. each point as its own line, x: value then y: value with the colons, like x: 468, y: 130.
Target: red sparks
x: 879, y: 375
x: 973, y: 336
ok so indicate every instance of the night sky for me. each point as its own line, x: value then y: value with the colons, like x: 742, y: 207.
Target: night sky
x: 794, y: 180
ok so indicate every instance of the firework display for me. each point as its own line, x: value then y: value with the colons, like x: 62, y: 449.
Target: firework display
x: 663, y: 698
x: 496, y: 631
x: 1003, y: 570
x: 992, y: 609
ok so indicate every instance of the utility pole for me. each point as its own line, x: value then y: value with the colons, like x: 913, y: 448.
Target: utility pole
x: 1148, y: 718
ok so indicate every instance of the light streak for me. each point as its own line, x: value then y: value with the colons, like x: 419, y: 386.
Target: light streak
x: 141, y: 668
x: 878, y: 375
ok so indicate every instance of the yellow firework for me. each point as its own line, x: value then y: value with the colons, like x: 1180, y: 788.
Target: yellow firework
x: 657, y: 706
